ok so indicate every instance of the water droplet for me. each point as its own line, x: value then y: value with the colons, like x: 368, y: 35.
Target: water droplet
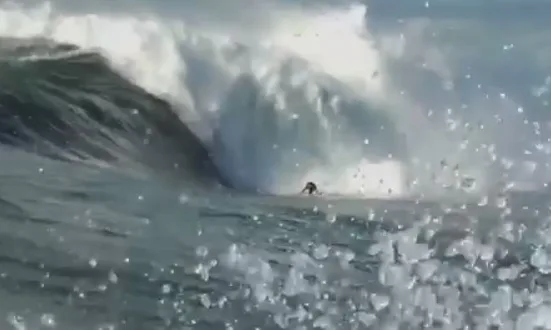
x: 371, y: 215
x: 48, y: 320
x: 501, y: 201
x: 113, y: 278
x: 366, y: 319
x: 205, y: 300
x: 183, y: 199
x: 202, y: 251
x: 379, y: 301
x: 321, y: 252
x: 166, y: 289
x: 483, y: 201
x: 16, y: 321
x: 93, y: 263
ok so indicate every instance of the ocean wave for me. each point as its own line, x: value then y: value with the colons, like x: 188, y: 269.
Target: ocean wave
x: 64, y: 102
x: 249, y: 128
x: 308, y: 95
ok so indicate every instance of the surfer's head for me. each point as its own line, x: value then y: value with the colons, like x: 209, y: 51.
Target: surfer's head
x: 310, y: 187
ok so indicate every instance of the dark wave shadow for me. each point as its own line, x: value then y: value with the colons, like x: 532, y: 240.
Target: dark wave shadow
x: 67, y: 104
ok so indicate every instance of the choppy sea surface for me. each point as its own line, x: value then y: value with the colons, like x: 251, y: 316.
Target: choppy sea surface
x: 152, y: 155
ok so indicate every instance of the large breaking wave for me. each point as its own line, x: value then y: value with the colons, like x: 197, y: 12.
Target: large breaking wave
x: 306, y: 95
x: 66, y: 103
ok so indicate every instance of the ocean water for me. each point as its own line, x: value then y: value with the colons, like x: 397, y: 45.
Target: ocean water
x: 152, y: 155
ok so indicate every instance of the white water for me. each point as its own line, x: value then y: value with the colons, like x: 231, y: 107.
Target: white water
x: 286, y: 135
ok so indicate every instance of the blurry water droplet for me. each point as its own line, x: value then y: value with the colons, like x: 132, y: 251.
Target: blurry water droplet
x: 483, y: 201
x: 16, y: 321
x: 166, y: 289
x: 113, y: 278
x: 222, y: 301
x: 323, y: 322
x: 205, y: 300
x: 93, y: 263
x: 366, y: 319
x: 183, y: 199
x: 379, y: 301
x: 48, y: 320
x: 202, y: 251
x: 348, y: 256
x: 540, y: 259
x: 203, y: 272
x: 501, y: 201
x: 426, y: 269
x: 371, y: 215
x: 321, y: 252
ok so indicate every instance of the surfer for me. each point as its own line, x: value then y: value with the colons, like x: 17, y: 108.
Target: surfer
x: 311, y: 188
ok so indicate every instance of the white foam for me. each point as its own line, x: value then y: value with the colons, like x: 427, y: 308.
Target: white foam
x: 335, y: 42
x: 364, y: 178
